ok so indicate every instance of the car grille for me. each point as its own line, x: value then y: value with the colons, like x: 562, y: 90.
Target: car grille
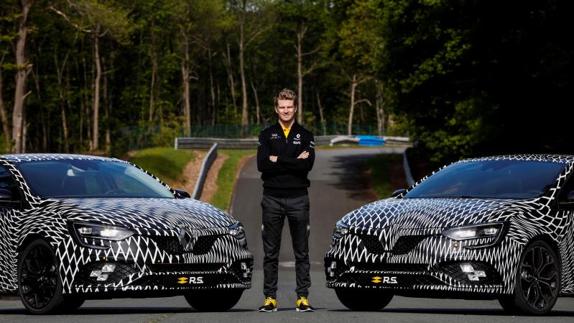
x: 390, y: 267
x: 185, y: 267
x: 372, y: 244
x: 204, y: 244
x: 407, y: 243
x: 403, y: 245
x: 171, y: 244
x: 364, y: 279
x: 173, y: 280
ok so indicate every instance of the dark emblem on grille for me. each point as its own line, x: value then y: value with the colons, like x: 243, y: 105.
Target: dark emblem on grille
x: 186, y: 239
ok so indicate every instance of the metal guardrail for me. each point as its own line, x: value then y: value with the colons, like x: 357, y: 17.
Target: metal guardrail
x: 251, y: 143
x: 205, y: 166
x: 240, y: 143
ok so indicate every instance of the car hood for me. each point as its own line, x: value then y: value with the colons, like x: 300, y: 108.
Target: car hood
x: 146, y: 214
x: 426, y: 213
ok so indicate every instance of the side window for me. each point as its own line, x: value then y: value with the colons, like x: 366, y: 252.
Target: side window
x: 9, y: 195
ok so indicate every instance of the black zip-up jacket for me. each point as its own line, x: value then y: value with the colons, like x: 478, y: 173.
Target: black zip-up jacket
x: 288, y: 176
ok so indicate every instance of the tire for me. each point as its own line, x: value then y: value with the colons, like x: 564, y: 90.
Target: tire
x: 39, y: 284
x: 216, y: 300
x: 363, y: 299
x: 537, y: 281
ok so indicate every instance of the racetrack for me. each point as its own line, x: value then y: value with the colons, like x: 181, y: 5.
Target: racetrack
x: 337, y: 186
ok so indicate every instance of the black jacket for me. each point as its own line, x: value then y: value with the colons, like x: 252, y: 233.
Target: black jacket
x: 288, y: 176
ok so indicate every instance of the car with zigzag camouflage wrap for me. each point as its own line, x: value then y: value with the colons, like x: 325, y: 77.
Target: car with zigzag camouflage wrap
x: 76, y: 227
x: 488, y: 228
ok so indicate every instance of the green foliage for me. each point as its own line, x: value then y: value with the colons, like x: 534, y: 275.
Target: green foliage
x: 227, y: 176
x: 382, y: 169
x: 166, y: 163
x: 463, y: 74
x: 462, y: 78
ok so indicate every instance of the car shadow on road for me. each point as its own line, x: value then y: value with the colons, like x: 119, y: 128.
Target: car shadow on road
x: 459, y: 311
x: 121, y: 310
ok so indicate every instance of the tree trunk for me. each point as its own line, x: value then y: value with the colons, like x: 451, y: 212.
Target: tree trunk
x: 321, y: 115
x: 96, y: 86
x: 211, y: 88
x: 154, y: 71
x: 62, y: 88
x: 257, y: 108
x: 106, y: 102
x: 352, y: 106
x: 23, y: 69
x: 231, y: 79
x: 244, y: 105
x: 3, y: 115
x: 380, y: 108
x: 300, y: 35
x: 186, y: 93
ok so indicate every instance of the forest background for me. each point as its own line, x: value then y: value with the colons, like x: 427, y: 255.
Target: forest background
x: 460, y: 78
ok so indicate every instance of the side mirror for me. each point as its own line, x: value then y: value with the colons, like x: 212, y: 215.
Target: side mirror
x: 398, y: 192
x: 181, y: 194
x: 6, y: 195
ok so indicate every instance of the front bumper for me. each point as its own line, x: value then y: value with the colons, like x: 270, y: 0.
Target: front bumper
x: 420, y: 260
x: 157, y: 264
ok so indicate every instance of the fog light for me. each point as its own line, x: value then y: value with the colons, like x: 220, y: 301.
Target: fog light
x: 102, y: 277
x: 108, y: 268
x: 332, y: 268
x: 245, y: 269
x: 477, y: 275
x: 95, y: 273
x: 466, y: 268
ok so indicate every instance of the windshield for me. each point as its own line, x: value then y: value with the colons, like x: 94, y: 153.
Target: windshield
x: 499, y: 179
x: 74, y: 178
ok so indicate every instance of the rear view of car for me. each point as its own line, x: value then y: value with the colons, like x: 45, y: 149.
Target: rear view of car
x: 496, y: 227
x: 80, y: 227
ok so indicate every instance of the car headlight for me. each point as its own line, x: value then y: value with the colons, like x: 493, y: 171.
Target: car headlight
x: 238, y: 232
x: 103, y: 232
x: 487, y: 234
x: 341, y: 229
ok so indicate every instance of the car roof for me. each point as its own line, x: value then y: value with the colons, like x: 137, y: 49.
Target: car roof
x: 565, y: 159
x: 18, y: 158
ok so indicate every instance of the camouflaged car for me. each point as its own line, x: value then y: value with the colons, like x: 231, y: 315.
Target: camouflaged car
x: 496, y: 227
x: 76, y: 227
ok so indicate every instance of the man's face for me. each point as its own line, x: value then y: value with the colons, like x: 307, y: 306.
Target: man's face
x: 286, y: 110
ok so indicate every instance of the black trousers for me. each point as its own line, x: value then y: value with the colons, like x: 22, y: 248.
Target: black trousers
x: 275, y: 209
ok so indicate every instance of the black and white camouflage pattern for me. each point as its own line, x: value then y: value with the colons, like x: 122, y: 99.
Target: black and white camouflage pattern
x: 150, y: 218
x: 390, y: 219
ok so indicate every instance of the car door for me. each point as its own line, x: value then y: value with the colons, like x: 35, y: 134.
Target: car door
x: 10, y: 206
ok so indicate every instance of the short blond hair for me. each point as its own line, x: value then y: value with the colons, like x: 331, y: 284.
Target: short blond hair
x: 286, y: 94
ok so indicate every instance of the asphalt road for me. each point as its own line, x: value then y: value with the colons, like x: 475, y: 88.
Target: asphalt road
x: 337, y: 187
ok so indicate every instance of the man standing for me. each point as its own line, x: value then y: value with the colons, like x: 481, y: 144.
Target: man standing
x: 284, y: 157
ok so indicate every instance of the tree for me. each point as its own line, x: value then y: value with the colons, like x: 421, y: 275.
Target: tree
x: 98, y: 20
x: 23, y: 67
x: 304, y: 22
x: 253, y: 19
x: 359, y: 47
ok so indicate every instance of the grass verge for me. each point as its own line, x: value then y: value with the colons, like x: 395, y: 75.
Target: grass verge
x: 228, y: 175
x: 164, y: 162
x: 387, y: 174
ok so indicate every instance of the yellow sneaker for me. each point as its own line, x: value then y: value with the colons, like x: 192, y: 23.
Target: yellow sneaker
x: 269, y: 305
x: 302, y: 305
